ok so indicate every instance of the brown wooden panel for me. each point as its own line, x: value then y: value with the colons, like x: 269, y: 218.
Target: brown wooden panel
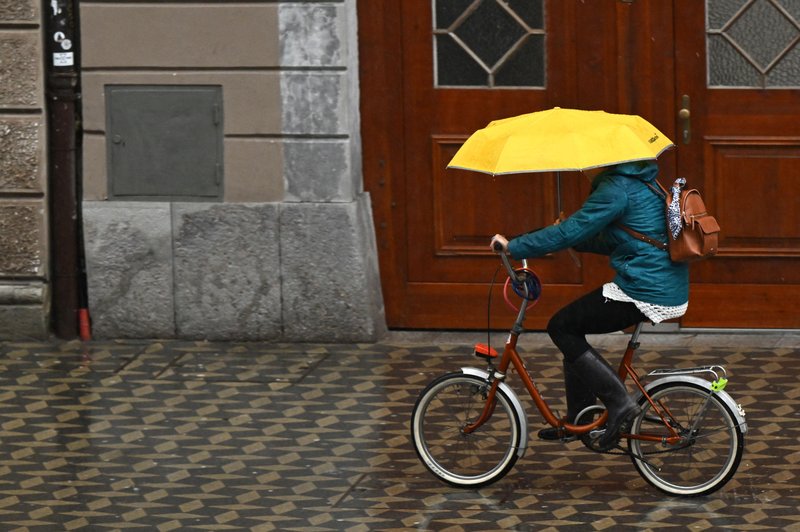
x: 746, y: 270
x: 743, y: 155
x: 469, y: 305
x: 750, y: 180
x: 432, y: 223
x: 470, y: 207
x: 381, y: 106
x: 452, y: 214
x: 743, y: 305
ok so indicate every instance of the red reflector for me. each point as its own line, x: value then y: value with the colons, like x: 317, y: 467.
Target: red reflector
x: 483, y: 350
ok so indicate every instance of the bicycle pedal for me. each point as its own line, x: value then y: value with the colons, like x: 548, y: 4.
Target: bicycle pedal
x: 486, y: 352
x: 596, y: 434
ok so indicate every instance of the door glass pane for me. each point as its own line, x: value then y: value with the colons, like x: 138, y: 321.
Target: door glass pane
x: 456, y: 67
x: 752, y: 43
x: 792, y: 6
x: 489, y: 43
x: 526, y: 67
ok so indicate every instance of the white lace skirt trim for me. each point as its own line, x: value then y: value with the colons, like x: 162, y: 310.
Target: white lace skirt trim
x: 655, y: 313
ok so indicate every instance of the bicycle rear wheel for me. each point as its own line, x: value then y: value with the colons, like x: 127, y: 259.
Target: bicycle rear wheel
x: 709, y: 454
x: 443, y: 409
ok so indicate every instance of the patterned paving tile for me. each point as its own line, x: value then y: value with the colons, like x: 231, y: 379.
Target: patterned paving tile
x: 202, y: 436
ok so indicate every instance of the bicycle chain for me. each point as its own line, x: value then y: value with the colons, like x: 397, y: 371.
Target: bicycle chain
x: 623, y: 451
x: 619, y: 450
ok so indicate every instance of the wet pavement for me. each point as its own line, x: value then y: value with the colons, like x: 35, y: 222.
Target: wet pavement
x: 169, y: 435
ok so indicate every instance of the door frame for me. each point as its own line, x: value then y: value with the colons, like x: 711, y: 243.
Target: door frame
x: 380, y: 40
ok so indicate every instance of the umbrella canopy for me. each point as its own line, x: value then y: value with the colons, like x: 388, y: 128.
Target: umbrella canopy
x: 560, y: 140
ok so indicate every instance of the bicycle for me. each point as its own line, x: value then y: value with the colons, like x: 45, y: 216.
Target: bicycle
x: 687, y: 441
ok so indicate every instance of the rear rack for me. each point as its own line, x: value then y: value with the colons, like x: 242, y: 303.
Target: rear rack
x: 715, y: 370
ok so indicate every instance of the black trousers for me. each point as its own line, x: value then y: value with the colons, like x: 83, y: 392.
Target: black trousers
x: 589, y: 314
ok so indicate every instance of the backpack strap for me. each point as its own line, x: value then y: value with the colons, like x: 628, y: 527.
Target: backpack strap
x: 662, y: 193
x: 644, y: 238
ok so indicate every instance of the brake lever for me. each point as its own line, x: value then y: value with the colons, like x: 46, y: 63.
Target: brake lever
x: 498, y: 248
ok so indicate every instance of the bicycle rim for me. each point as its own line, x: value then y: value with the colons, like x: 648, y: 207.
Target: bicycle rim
x: 708, y: 457
x: 472, y: 460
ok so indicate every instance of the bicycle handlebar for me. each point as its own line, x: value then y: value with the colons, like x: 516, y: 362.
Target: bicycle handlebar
x: 498, y: 248
x: 515, y: 277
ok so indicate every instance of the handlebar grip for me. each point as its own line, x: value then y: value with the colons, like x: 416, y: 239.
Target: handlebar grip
x: 498, y: 247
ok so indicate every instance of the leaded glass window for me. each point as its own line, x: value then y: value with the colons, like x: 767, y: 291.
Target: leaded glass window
x: 489, y: 43
x: 753, y: 43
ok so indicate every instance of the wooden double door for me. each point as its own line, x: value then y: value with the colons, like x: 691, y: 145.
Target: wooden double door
x: 727, y: 97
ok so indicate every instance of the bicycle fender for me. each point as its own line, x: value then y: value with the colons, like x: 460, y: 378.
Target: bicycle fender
x: 738, y: 411
x: 523, y: 418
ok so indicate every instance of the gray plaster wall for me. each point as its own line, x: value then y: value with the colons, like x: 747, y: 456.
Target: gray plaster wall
x: 130, y: 269
x: 226, y: 271
x: 301, y: 268
x: 178, y: 270
x: 331, y: 284
x: 212, y: 271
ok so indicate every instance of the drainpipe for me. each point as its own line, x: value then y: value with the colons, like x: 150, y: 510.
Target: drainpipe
x: 63, y: 108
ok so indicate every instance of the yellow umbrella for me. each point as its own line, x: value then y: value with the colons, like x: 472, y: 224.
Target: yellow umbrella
x: 559, y: 140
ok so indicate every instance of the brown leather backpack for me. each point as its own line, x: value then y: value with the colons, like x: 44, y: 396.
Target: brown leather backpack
x: 699, y: 231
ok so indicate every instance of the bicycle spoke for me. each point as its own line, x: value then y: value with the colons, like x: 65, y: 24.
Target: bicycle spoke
x: 460, y: 458
x: 706, y: 456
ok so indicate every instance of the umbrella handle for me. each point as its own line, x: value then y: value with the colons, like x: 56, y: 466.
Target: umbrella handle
x: 575, y: 258
x: 558, y: 193
x: 561, y: 218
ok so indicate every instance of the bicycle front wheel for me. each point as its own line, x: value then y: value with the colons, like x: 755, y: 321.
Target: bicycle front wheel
x: 711, y: 446
x: 442, y: 411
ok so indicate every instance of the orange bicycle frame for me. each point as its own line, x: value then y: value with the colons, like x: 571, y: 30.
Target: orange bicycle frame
x: 511, y: 357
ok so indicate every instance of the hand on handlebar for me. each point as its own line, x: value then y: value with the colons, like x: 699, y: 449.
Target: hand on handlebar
x: 499, y: 244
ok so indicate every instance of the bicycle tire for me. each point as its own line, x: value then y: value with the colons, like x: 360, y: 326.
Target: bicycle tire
x: 443, y: 408
x: 706, y: 461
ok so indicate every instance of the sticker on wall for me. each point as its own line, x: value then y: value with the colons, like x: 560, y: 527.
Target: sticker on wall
x: 60, y: 38
x: 63, y: 59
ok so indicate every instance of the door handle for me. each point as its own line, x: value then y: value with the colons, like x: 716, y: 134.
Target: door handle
x: 685, y: 116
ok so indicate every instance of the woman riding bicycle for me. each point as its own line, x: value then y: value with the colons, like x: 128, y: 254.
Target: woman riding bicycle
x: 647, y: 285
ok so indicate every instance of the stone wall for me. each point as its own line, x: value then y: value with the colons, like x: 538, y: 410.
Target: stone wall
x: 289, y: 253
x: 23, y: 168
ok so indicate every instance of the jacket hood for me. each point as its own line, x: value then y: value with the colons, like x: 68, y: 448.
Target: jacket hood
x: 645, y: 171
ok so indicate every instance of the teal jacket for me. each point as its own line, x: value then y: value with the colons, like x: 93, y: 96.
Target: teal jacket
x: 643, y: 272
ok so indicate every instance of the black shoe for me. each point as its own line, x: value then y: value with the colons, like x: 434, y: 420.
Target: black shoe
x: 606, y: 385
x: 615, y: 427
x: 556, y: 434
